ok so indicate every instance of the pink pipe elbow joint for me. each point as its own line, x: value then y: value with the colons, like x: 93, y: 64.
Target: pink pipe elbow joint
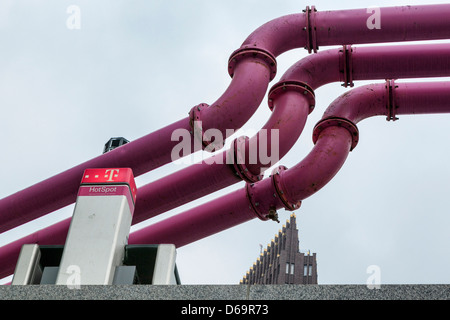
x: 334, y: 137
x: 309, y: 29
x: 389, y: 61
x: 431, y: 19
x: 260, y: 199
x: 299, y: 82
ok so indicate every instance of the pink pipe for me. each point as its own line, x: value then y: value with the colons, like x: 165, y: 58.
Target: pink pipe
x: 142, y: 155
x: 60, y: 190
x: 282, y: 32
x: 10, y: 252
x: 380, y: 62
x: 315, y: 171
x: 309, y: 30
x: 327, y: 28
x: 241, y: 99
x: 289, y: 117
x: 427, y: 98
x: 224, y: 212
x: 299, y: 182
x: 315, y: 70
x: 291, y: 112
x: 365, y: 102
x: 207, y: 219
x: 213, y: 217
x: 307, y: 177
x: 408, y: 99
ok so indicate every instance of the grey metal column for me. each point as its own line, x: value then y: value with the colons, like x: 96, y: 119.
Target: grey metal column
x: 164, y: 271
x: 27, y: 267
x: 99, y: 228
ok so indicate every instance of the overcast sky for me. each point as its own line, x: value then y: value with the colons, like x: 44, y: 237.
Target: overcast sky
x: 136, y: 66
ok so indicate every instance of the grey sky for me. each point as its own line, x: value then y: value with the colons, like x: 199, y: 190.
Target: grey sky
x: 137, y: 66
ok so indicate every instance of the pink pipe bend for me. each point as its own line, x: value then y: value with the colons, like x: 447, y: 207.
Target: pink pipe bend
x: 235, y: 208
x: 340, y: 27
x: 142, y: 155
x: 299, y: 182
x: 406, y: 99
x: 276, y: 36
x: 293, y: 107
x: 315, y: 70
x: 362, y: 103
x: 332, y: 147
x: 289, y: 117
x: 310, y: 30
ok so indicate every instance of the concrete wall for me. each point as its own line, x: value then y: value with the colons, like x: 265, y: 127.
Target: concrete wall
x: 226, y: 292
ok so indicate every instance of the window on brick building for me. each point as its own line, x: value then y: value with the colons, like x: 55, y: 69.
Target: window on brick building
x: 307, y: 270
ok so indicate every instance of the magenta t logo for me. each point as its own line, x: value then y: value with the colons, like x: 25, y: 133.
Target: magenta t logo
x: 111, y: 175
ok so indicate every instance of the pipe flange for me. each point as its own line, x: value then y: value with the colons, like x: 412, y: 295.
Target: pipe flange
x: 288, y: 205
x: 292, y: 85
x: 247, y: 52
x: 346, y: 65
x: 236, y: 157
x: 390, y: 100
x: 254, y: 204
x: 310, y: 29
x: 339, y: 122
x: 197, y: 132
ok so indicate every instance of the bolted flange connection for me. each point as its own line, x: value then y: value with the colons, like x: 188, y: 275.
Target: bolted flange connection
x: 265, y: 207
x: 310, y: 29
x: 292, y: 85
x: 197, y: 132
x: 255, y: 204
x: 391, y: 106
x: 346, y: 65
x: 236, y: 158
x: 339, y: 122
x: 252, y: 52
x: 288, y: 205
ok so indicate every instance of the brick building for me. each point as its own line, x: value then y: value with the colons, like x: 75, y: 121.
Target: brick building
x: 281, y: 262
